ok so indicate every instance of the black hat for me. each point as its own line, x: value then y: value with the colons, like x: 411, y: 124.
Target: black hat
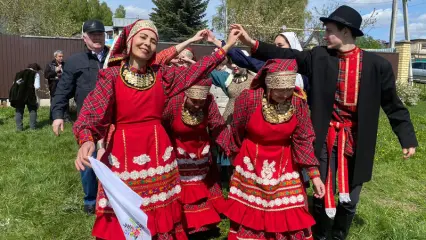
x: 348, y: 17
x: 93, y: 26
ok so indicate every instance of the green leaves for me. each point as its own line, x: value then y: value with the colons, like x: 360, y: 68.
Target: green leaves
x: 120, y: 12
x: 50, y: 17
x: 178, y: 20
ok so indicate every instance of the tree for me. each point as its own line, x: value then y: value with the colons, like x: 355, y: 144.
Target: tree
x: 178, y: 20
x: 326, y: 9
x: 120, y: 12
x: 106, y: 16
x: 219, y: 19
x: 94, y: 9
x: 52, y: 18
x: 368, y: 42
x: 263, y: 19
x: 79, y: 11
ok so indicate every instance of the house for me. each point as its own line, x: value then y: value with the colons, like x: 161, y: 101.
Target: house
x: 119, y: 23
x: 418, y: 48
x: 109, y: 32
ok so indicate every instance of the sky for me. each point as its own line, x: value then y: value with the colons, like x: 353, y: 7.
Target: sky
x: 381, y: 30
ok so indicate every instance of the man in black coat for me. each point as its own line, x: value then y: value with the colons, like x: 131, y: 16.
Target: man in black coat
x: 79, y: 76
x: 53, y: 73
x: 348, y: 87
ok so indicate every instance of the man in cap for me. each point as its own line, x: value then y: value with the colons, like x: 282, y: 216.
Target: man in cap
x: 79, y: 78
x: 348, y: 87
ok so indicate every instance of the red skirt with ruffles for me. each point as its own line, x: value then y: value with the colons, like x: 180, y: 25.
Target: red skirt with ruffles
x: 203, y: 203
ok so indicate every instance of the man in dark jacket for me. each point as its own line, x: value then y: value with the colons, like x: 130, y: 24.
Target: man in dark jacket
x: 348, y: 87
x: 79, y: 76
x: 53, y: 73
x: 23, y: 93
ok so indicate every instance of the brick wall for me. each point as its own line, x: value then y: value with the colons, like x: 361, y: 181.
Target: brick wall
x: 404, y: 50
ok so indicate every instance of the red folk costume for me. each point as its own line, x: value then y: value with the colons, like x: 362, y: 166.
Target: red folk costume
x: 267, y: 198
x: 161, y: 58
x: 342, y: 130
x: 191, y: 134
x: 140, y: 151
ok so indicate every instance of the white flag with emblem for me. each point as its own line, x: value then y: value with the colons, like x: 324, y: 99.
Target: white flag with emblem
x: 125, y: 202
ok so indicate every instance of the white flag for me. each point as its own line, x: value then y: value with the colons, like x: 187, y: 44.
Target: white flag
x: 125, y: 202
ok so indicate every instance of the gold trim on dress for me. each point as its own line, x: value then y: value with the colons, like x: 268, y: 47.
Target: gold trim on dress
x: 156, y: 145
x: 276, y: 113
x: 192, y: 119
x: 139, y: 81
x: 125, y: 150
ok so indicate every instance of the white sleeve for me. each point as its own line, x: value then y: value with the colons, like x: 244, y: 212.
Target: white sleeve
x: 299, y: 81
x: 37, y: 81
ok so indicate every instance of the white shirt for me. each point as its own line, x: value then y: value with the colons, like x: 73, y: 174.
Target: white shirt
x: 99, y: 55
x: 37, y: 81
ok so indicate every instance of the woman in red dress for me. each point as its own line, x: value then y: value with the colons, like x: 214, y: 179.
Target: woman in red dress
x: 193, y: 120
x: 131, y: 94
x: 272, y: 136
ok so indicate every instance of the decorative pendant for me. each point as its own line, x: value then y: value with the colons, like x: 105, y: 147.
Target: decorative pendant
x: 191, y: 118
x: 137, y: 81
x: 240, y: 79
x: 278, y: 113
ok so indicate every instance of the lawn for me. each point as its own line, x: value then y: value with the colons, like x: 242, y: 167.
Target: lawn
x: 41, y: 193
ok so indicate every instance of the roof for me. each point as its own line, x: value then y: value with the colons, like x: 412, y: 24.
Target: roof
x: 383, y: 50
x: 418, y: 40
x: 122, y: 22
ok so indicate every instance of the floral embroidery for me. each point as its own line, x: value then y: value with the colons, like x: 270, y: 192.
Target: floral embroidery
x: 132, y: 229
x: 163, y: 196
x: 268, y: 169
x: 264, y: 181
x: 267, y: 204
x: 167, y: 153
x: 206, y: 150
x: 103, y: 203
x: 142, y: 159
x: 113, y: 161
x: 181, y: 151
x: 160, y: 170
x: 247, y: 161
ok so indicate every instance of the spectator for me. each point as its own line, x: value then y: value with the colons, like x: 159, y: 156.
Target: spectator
x: 79, y: 77
x: 23, y: 93
x: 53, y: 73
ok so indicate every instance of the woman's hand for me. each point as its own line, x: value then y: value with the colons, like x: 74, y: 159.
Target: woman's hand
x: 212, y: 39
x: 86, y: 150
x: 232, y: 39
x: 244, y: 37
x: 200, y: 35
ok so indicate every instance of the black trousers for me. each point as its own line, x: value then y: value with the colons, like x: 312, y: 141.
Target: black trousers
x: 19, y: 116
x: 339, y: 227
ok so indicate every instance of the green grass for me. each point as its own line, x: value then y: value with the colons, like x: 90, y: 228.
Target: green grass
x: 41, y: 193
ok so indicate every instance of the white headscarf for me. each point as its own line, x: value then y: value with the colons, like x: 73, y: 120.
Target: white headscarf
x: 294, y: 44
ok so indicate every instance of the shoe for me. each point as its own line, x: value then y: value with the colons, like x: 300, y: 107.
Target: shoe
x: 89, y: 209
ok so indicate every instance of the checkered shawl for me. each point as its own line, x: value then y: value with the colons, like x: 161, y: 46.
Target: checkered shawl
x: 217, y: 128
x: 303, y: 137
x: 97, y: 112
